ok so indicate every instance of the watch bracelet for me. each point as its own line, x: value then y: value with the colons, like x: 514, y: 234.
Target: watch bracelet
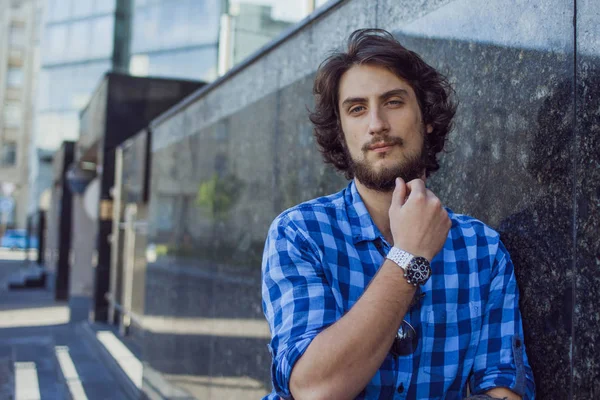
x: 402, y: 258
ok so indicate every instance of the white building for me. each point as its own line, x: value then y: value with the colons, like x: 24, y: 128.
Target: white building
x: 19, y: 38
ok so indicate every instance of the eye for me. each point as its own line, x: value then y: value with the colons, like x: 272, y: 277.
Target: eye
x: 395, y: 102
x: 356, y: 110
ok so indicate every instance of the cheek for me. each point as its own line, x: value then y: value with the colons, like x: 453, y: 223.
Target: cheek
x: 354, y: 145
x: 351, y: 138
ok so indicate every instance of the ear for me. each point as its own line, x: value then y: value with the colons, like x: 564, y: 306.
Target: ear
x: 429, y: 128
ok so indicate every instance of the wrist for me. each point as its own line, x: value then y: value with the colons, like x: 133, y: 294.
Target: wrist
x: 416, y: 269
x: 414, y: 251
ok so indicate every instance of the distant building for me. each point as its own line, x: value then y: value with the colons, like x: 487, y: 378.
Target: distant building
x: 185, y: 39
x: 78, y: 45
x: 175, y: 38
x: 252, y: 28
x: 84, y: 39
x: 247, y: 26
x: 19, y: 37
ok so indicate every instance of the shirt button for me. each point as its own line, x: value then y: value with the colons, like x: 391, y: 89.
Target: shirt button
x: 401, y: 388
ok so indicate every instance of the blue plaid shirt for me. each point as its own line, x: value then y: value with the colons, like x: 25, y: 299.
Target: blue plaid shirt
x: 319, y: 258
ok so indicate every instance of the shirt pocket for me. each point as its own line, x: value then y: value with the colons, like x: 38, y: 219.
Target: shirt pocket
x: 450, y: 339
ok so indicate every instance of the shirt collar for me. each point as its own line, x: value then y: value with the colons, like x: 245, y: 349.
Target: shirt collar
x: 362, y: 226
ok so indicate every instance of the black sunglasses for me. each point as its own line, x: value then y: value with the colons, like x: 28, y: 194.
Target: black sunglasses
x: 407, y: 340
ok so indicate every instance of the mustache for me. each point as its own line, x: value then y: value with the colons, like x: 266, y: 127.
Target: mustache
x: 388, y: 141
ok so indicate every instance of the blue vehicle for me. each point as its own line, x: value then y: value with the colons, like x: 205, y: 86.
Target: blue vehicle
x: 17, y: 239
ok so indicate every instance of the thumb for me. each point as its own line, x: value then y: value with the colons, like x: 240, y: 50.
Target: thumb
x: 399, y: 195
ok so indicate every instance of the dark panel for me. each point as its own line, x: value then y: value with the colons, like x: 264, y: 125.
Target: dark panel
x: 121, y: 107
x: 134, y: 102
x: 62, y: 161
x: 586, y: 362
x: 212, y: 195
x: 135, y: 168
x: 91, y: 122
x: 41, y: 235
x: 509, y: 165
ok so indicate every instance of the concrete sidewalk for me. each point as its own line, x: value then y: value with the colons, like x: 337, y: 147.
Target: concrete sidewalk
x: 44, y: 355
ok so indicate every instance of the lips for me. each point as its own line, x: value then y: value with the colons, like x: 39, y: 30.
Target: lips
x: 380, y: 146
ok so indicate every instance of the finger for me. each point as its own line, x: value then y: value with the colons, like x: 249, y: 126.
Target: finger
x: 430, y: 194
x: 416, y: 186
x: 399, y: 195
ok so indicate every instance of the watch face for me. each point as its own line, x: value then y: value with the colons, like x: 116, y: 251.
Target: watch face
x: 418, y: 271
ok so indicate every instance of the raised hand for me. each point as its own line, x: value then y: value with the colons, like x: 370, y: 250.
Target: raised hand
x: 418, y: 222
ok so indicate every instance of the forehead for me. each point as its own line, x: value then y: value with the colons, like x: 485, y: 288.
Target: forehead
x: 370, y: 80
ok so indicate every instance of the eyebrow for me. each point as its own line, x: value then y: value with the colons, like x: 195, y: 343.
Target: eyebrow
x: 386, y: 95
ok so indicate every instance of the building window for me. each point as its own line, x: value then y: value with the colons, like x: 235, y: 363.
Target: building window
x: 105, y: 6
x: 15, y: 77
x: 16, y: 36
x: 192, y: 64
x: 102, y: 33
x: 12, y: 114
x: 55, y: 43
x: 83, y: 8
x: 59, y: 10
x: 8, y: 155
x: 79, y: 41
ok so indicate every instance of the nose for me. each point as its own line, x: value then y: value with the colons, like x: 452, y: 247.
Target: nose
x: 377, y: 122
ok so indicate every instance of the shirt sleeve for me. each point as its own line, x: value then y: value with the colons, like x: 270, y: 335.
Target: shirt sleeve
x: 501, y: 360
x: 297, y: 299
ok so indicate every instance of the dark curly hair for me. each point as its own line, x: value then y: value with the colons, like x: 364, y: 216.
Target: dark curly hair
x: 379, y: 47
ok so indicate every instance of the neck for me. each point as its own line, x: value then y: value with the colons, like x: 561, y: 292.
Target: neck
x: 378, y: 205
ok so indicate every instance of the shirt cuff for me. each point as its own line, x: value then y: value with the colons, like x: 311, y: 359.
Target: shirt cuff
x: 514, y: 376
x: 501, y: 376
x: 283, y: 362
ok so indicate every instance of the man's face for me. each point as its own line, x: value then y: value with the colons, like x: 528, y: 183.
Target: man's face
x: 382, y: 125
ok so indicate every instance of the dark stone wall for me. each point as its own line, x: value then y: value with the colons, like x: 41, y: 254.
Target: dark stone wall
x: 586, y: 202
x: 524, y: 158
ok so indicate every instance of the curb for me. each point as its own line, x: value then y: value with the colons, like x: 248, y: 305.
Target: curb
x: 131, y: 391
x: 7, y: 379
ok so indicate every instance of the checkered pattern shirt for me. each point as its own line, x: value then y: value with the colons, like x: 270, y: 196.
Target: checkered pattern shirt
x: 319, y: 258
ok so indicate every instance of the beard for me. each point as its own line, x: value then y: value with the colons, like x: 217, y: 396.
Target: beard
x: 411, y: 167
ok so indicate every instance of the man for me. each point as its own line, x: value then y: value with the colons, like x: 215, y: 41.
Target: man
x: 379, y: 292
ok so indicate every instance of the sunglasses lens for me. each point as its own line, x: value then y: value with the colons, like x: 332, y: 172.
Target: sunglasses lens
x: 406, y: 340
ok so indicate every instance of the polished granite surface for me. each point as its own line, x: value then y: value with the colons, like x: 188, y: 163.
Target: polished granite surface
x: 523, y: 158
x: 586, y: 253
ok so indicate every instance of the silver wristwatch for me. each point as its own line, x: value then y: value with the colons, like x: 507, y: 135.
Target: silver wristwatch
x: 416, y: 269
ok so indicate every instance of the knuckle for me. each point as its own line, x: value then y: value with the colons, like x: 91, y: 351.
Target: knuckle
x: 420, y: 197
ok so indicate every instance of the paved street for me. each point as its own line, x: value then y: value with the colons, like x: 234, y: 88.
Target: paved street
x: 49, y: 357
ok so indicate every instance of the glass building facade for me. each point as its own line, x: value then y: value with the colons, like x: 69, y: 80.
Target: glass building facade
x: 77, y: 50
x: 175, y: 38
x: 186, y: 39
x: 249, y: 25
